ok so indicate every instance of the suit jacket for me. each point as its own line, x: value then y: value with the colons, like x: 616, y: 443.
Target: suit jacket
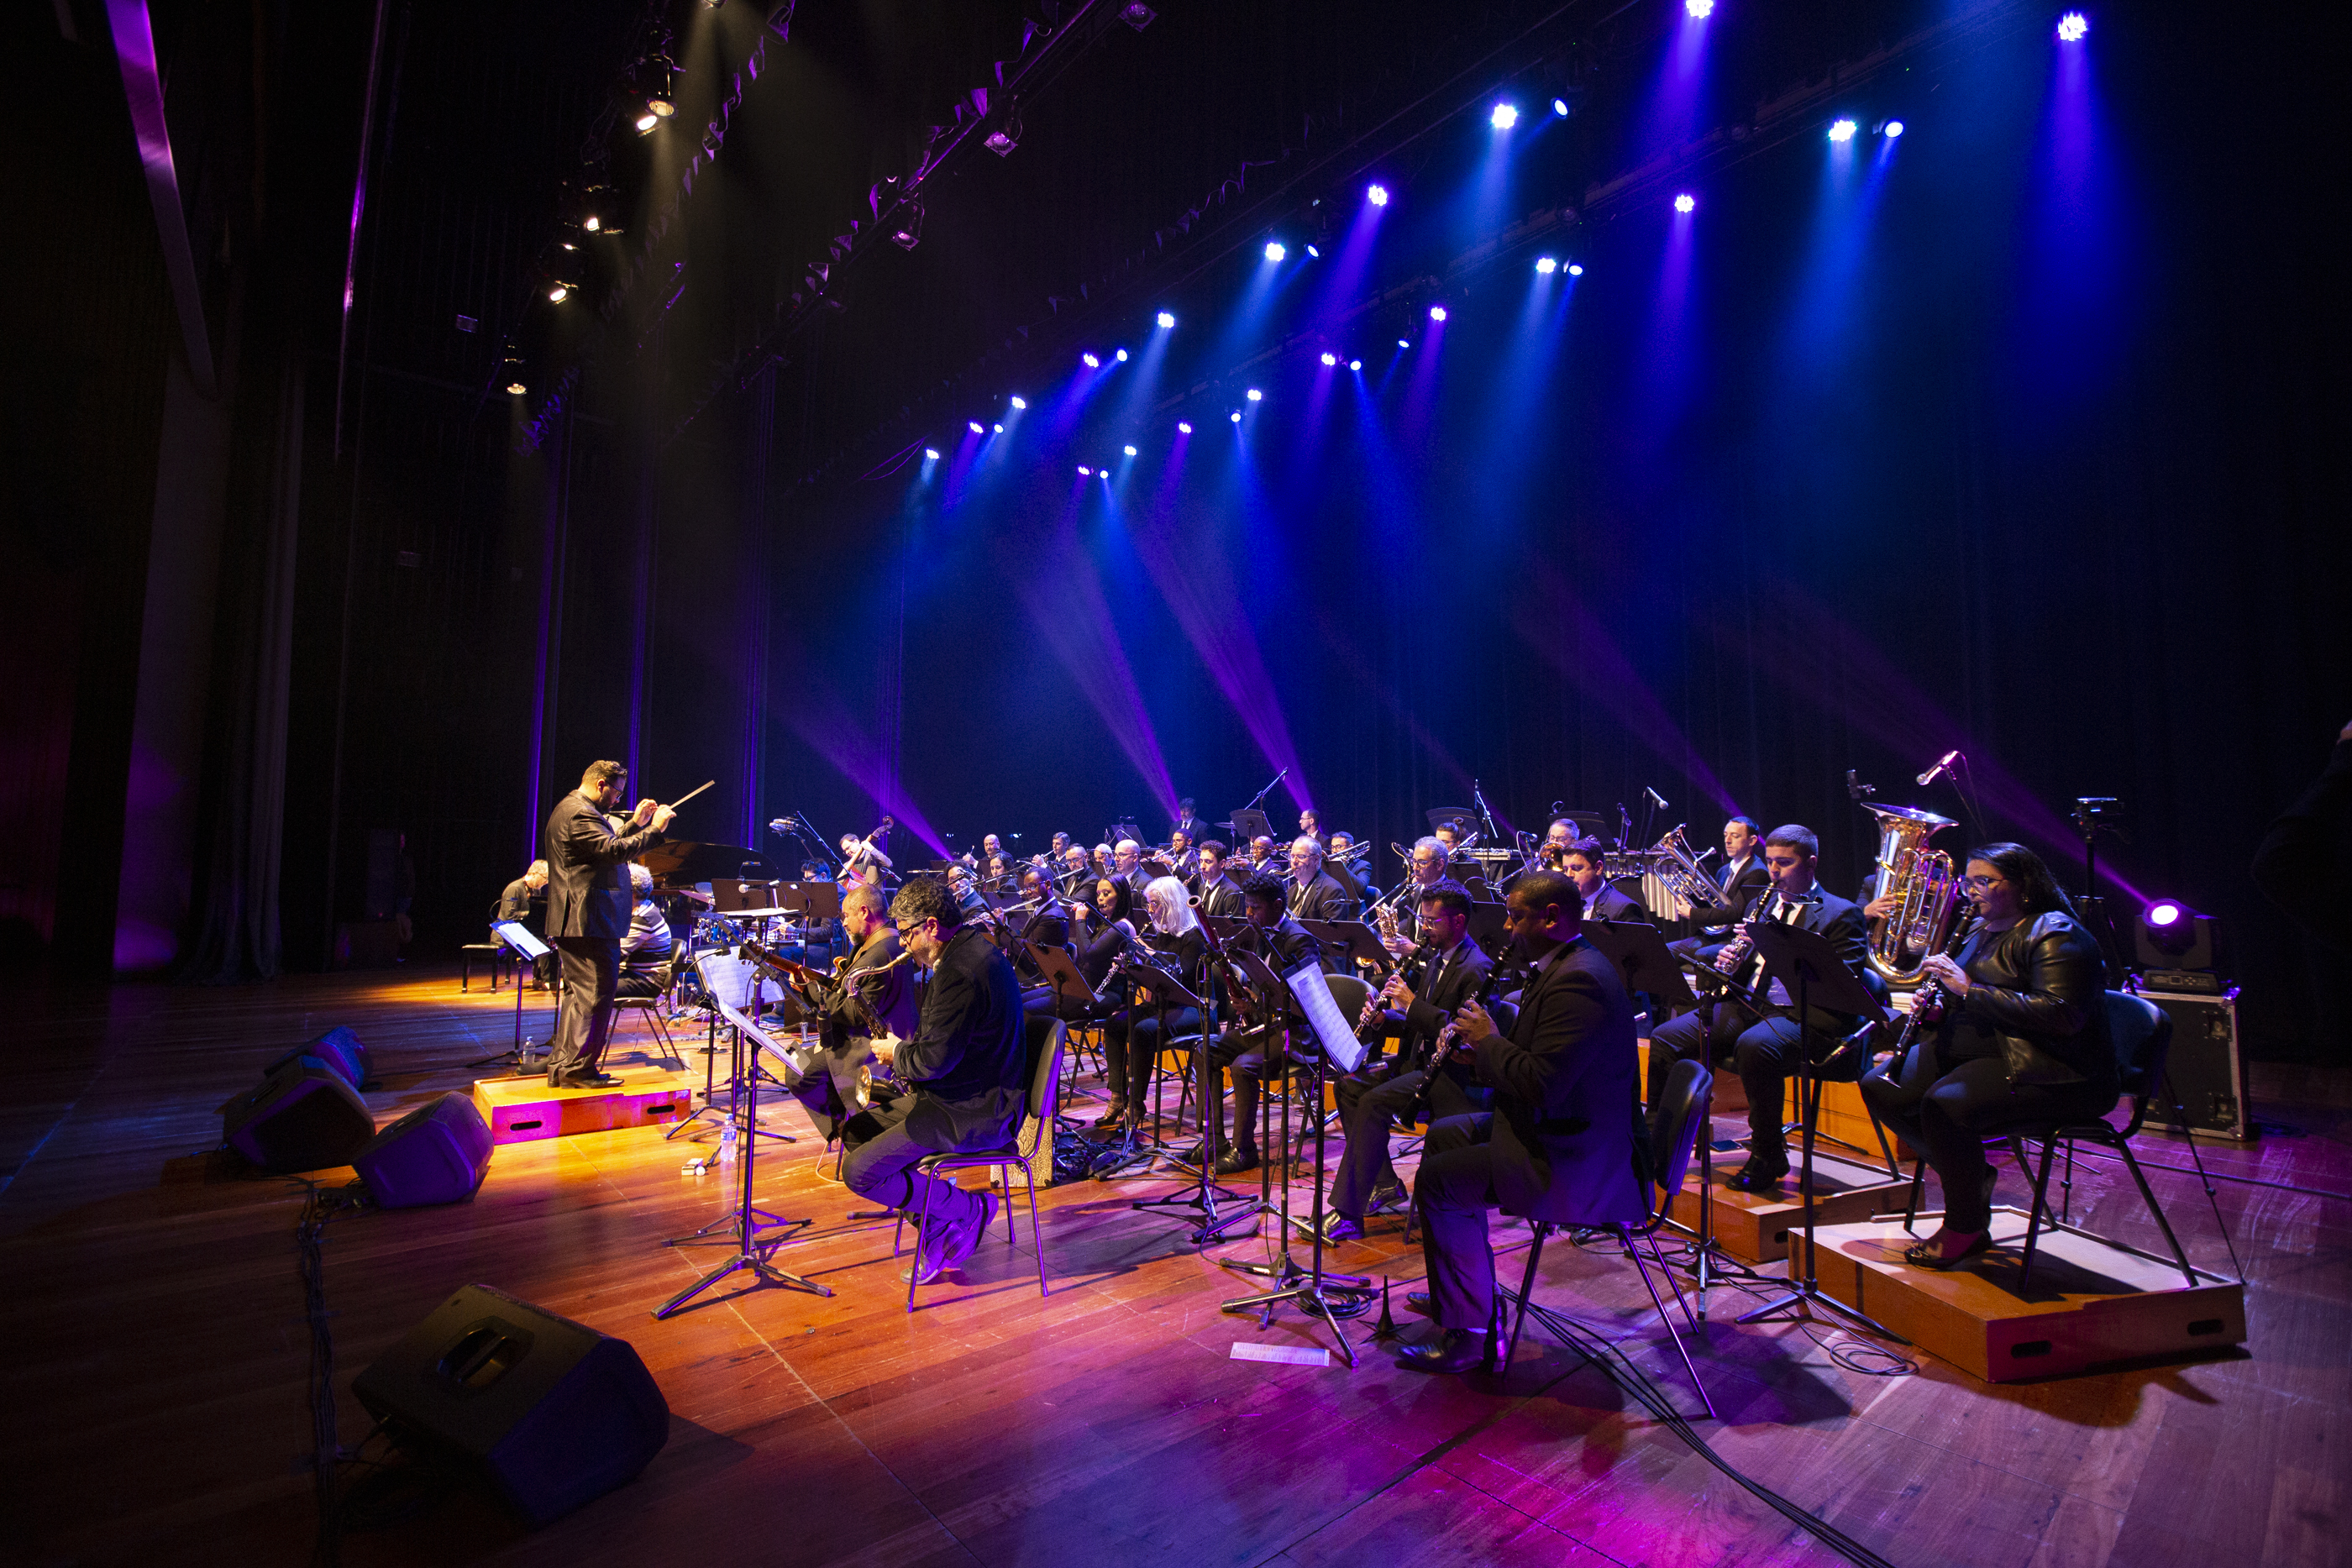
x: 1569, y: 1146
x: 1322, y: 899
x: 1753, y: 878
x: 1284, y: 945
x: 519, y: 902
x: 1222, y: 896
x: 1611, y: 903
x: 587, y: 890
x: 968, y: 1061
x: 1844, y: 926
x: 1450, y: 980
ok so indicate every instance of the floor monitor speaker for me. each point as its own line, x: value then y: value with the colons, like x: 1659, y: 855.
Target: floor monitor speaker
x: 437, y: 1153
x: 549, y: 1413
x: 302, y: 1117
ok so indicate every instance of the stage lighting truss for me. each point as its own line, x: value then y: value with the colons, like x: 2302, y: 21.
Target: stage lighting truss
x: 908, y: 232
x: 1007, y: 134
x: 658, y: 73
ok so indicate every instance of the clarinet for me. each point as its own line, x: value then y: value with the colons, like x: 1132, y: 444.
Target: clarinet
x: 1415, y: 964
x: 1417, y: 1113
x: 1928, y: 1002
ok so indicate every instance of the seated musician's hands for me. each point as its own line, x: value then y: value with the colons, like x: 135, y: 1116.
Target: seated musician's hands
x: 1397, y: 994
x: 1881, y: 906
x: 1941, y: 968
x: 1476, y: 1024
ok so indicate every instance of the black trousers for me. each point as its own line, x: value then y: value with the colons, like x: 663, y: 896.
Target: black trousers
x: 1948, y: 1096
x: 1130, y: 1049
x: 638, y: 983
x: 591, y: 976
x: 1248, y: 1058
x: 1370, y: 1108
x: 878, y: 1161
x: 1760, y: 1048
x: 1454, y: 1191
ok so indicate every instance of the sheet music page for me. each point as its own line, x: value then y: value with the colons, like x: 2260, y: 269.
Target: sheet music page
x: 1312, y: 989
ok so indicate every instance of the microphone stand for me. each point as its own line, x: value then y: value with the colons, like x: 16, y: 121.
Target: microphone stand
x: 1267, y: 790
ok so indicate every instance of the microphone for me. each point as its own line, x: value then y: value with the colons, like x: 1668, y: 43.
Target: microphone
x: 1656, y: 798
x: 781, y: 825
x: 1943, y: 765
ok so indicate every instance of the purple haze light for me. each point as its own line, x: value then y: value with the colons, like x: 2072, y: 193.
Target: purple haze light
x: 1685, y: 203
x: 1330, y: 358
x: 1699, y: 8
x: 930, y: 454
x: 1090, y: 361
x: 1166, y: 319
x: 1184, y: 427
x: 1437, y: 312
x: 1355, y: 365
x: 1019, y: 402
x: 1128, y: 450
x: 2167, y: 912
x: 973, y: 425
x: 1084, y: 472
x: 1378, y: 195
x: 1255, y: 395
x: 2072, y: 26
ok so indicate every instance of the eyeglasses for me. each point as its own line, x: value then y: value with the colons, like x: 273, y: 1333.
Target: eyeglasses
x: 1980, y: 883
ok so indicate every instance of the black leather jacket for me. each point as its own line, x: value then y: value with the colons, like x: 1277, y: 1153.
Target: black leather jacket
x: 2041, y: 988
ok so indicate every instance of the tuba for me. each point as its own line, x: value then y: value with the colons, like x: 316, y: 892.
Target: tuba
x: 1923, y: 883
x: 1673, y: 863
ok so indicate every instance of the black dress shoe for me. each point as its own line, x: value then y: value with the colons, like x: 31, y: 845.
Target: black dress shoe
x: 1418, y: 1301
x: 1339, y: 1228
x: 1762, y: 1173
x: 1389, y: 1198
x: 584, y: 1081
x: 1454, y: 1349
x: 1239, y: 1158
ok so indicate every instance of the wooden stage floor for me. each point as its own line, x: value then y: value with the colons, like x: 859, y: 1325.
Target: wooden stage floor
x: 156, y: 1384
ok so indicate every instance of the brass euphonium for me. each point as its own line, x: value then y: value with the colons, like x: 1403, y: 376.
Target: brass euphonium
x: 1671, y: 862
x: 1926, y: 886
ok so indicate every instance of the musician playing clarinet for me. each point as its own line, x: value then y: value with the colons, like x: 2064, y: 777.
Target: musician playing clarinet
x: 1564, y: 1142
x: 2021, y: 1037
x: 1372, y: 1097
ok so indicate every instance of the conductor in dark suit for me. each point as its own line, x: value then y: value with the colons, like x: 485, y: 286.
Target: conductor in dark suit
x: 1762, y: 1037
x: 588, y: 905
x: 1563, y: 1144
x: 1372, y: 1099
x: 965, y: 1073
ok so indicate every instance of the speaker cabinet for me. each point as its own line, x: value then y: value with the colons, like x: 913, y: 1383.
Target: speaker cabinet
x: 302, y: 1117
x: 338, y: 1048
x: 437, y: 1153
x: 549, y: 1413
x: 2207, y: 1073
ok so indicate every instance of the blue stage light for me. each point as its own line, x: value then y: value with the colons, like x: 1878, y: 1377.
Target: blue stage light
x: 1685, y: 203
x: 1184, y: 427
x: 973, y: 425
x: 930, y: 454
x: 1437, y: 312
x: 1378, y: 195
x: 1842, y: 129
x: 1560, y: 107
x: 1166, y: 319
x: 1084, y: 472
x: 1128, y: 450
x: 1315, y: 253
x: 1503, y: 118
x: 1255, y: 395
x: 1019, y: 402
x: 996, y: 429
x: 1091, y: 362
x: 2072, y: 26
x: 1121, y: 356
x: 1893, y: 129
x: 1547, y: 265
x: 1699, y: 8
x: 1576, y: 269
x: 1355, y: 365
x: 1404, y: 342
x: 1235, y: 416
x: 1330, y: 358
x: 1274, y: 251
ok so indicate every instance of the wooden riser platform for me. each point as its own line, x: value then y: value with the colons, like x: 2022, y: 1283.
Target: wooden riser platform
x: 523, y: 1109
x: 2093, y: 1301
x: 1755, y: 1226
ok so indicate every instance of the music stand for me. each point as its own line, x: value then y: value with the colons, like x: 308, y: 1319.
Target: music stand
x: 1361, y: 942
x: 1250, y: 825
x: 1168, y: 995
x: 1800, y: 961
x: 750, y: 1252
x: 1461, y: 819
x: 1334, y: 1041
x: 1489, y: 926
x: 528, y: 948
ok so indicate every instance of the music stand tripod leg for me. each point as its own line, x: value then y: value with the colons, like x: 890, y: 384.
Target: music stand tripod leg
x: 750, y: 1252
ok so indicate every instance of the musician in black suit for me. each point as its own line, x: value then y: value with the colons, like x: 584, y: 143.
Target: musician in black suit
x: 1762, y: 1036
x: 966, y: 1073
x: 1077, y: 873
x: 1188, y: 822
x: 1284, y: 944
x: 1338, y: 865
x: 1564, y: 1144
x: 1372, y: 1097
x: 1132, y: 1041
x: 1219, y: 894
x: 1585, y: 871
x: 1742, y: 876
x: 1127, y: 865
x: 1313, y: 894
x: 588, y: 907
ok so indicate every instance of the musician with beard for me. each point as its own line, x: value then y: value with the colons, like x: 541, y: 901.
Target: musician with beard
x: 1284, y: 944
x: 1564, y: 1144
x: 1763, y: 1035
x: 1372, y: 1097
x: 1313, y: 894
x: 1130, y: 1049
x: 1426, y: 870
x: 588, y: 913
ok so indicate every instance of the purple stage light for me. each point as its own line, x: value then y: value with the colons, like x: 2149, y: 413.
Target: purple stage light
x: 1576, y: 269
x: 1842, y: 129
x: 1274, y: 251
x: 1128, y: 450
x: 1378, y: 195
x: 1504, y: 117
x: 1091, y: 362
x: 973, y: 425
x: 1702, y: 9
x: 1255, y: 395
x: 1019, y: 402
x: 1404, y: 342
x: 1315, y: 253
x: 1437, y: 312
x: 1330, y: 358
x: 1166, y: 319
x: 1547, y: 265
x: 1184, y: 427
x: 2072, y: 26
x: 1893, y: 129
x: 1685, y: 203
x: 1121, y: 356
x: 2166, y: 913
x: 1355, y: 365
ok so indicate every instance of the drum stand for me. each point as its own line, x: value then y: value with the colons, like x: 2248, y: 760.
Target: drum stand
x: 750, y: 1252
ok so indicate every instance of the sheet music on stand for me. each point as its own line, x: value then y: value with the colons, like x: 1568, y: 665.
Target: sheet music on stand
x: 1311, y: 989
x: 517, y: 935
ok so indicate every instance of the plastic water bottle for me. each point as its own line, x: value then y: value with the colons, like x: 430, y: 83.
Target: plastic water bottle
x: 727, y: 1142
